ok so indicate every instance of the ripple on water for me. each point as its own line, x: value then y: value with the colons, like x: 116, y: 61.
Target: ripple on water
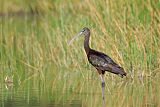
x: 37, y: 98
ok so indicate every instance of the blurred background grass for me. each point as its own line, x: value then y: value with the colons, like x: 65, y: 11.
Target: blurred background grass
x: 34, y: 49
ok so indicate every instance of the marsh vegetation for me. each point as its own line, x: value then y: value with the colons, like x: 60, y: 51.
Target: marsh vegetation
x: 35, y: 54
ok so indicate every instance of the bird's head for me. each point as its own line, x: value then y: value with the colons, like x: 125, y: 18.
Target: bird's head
x: 85, y: 31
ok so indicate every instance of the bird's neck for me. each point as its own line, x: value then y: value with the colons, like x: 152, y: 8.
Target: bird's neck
x: 86, y: 43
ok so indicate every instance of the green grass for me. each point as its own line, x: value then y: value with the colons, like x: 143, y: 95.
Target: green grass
x: 34, y: 49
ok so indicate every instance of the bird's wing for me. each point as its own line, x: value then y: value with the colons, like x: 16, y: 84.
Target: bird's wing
x: 98, y: 62
x: 105, y: 63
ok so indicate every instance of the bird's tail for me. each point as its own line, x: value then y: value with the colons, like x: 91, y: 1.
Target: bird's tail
x: 118, y: 70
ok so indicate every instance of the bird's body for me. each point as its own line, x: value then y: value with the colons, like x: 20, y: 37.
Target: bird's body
x: 99, y: 60
x: 103, y: 62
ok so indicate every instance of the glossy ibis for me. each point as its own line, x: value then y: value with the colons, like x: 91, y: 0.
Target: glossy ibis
x: 99, y: 60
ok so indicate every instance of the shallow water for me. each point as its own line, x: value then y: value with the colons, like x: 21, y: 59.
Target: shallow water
x: 125, y: 94
x: 12, y: 97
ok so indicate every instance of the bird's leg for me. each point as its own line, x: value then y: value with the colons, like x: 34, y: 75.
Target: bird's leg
x: 103, y: 85
x: 103, y: 89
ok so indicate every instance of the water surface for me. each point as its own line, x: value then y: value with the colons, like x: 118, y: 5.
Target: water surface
x: 13, y: 97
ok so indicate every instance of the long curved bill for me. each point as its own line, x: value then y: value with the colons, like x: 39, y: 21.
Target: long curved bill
x: 70, y: 42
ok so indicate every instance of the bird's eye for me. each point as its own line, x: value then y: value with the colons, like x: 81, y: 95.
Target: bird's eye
x: 83, y: 30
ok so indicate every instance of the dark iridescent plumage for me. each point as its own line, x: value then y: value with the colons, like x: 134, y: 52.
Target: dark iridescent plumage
x: 103, y: 62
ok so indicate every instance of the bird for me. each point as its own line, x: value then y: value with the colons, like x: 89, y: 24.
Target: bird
x: 99, y: 60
